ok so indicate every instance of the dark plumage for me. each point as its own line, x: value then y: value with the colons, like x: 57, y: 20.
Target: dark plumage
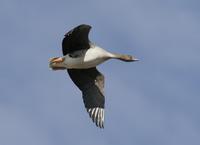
x: 76, y: 39
x: 90, y: 81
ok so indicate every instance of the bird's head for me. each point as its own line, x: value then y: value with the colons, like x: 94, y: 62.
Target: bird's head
x: 57, y: 63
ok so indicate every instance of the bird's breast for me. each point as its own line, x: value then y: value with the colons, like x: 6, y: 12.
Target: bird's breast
x: 90, y: 58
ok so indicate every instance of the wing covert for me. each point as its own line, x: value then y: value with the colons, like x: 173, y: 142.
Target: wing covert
x: 76, y: 39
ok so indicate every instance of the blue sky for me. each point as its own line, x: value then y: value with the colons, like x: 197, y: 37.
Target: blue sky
x: 154, y: 101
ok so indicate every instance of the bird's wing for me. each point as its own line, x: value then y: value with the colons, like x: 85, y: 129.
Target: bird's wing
x: 91, y: 83
x: 76, y: 39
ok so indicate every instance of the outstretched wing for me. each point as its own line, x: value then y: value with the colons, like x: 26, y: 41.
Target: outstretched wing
x: 76, y: 39
x: 91, y: 83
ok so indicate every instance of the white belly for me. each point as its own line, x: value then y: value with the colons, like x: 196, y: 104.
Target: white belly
x: 90, y: 58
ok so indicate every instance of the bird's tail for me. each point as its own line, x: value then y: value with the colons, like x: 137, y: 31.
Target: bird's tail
x: 124, y: 57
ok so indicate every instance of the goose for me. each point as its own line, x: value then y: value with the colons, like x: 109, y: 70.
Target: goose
x: 80, y: 58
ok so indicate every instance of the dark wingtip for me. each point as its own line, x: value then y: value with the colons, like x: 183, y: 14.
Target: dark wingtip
x: 97, y: 115
x: 84, y: 26
x: 79, y: 27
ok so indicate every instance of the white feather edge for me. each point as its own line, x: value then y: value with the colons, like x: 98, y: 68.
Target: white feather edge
x: 97, y: 115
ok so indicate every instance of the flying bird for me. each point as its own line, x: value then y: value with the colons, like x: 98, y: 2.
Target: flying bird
x: 80, y: 58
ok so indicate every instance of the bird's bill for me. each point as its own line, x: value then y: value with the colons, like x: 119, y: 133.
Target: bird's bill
x: 135, y: 59
x: 55, y: 63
